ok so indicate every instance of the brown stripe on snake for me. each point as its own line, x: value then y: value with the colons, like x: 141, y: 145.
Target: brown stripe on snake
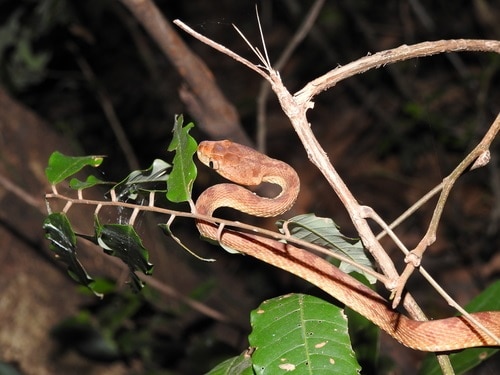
x: 246, y: 166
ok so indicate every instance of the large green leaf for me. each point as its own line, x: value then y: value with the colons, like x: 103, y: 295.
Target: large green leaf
x: 324, y: 232
x: 467, y: 359
x: 63, y: 243
x: 61, y: 166
x: 123, y: 242
x: 301, y: 334
x: 184, y: 171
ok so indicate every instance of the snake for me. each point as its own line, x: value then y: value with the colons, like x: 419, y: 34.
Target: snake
x: 243, y: 165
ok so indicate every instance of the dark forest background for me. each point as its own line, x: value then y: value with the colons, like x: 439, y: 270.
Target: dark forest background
x: 393, y: 134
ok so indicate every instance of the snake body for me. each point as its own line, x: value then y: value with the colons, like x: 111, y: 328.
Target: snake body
x: 246, y: 166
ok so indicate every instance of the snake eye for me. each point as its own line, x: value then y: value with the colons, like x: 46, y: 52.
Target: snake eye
x: 212, y: 164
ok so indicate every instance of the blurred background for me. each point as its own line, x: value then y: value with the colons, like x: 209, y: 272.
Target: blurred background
x: 86, y: 78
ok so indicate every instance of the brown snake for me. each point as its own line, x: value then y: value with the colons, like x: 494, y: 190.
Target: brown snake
x: 246, y: 166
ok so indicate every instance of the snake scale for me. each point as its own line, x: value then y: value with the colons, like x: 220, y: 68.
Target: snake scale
x: 245, y: 166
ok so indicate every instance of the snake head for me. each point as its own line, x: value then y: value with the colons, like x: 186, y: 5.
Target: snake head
x: 238, y: 163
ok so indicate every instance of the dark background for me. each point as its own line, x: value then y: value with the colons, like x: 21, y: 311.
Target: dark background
x: 392, y: 133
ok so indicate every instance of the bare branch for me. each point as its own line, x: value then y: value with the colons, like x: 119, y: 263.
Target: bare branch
x: 392, y: 56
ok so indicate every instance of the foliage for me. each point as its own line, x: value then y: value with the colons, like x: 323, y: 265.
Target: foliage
x: 301, y: 333
x: 293, y: 332
x: 119, y: 240
x: 324, y: 232
x: 182, y: 177
x: 37, y: 63
x: 61, y: 166
x: 322, y: 323
x: 122, y: 241
x: 63, y: 243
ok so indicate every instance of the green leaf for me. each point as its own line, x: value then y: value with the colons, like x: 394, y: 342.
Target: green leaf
x: 147, y: 180
x: 88, y: 183
x: 184, y: 171
x: 324, y: 232
x: 63, y: 243
x: 61, y: 166
x: 301, y: 334
x: 240, y: 365
x: 122, y: 241
x: 467, y: 359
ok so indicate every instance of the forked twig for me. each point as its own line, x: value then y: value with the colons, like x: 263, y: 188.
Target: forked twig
x: 221, y: 48
x: 387, y: 229
x: 414, y: 257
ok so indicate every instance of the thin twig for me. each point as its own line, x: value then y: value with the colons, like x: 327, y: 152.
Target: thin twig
x: 220, y: 48
x: 264, y: 90
x: 227, y: 224
x: 414, y: 258
x: 414, y: 207
x: 391, y: 56
x: 164, y: 288
x: 373, y: 215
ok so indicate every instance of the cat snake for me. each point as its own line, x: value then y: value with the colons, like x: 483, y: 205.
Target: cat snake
x: 245, y: 166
